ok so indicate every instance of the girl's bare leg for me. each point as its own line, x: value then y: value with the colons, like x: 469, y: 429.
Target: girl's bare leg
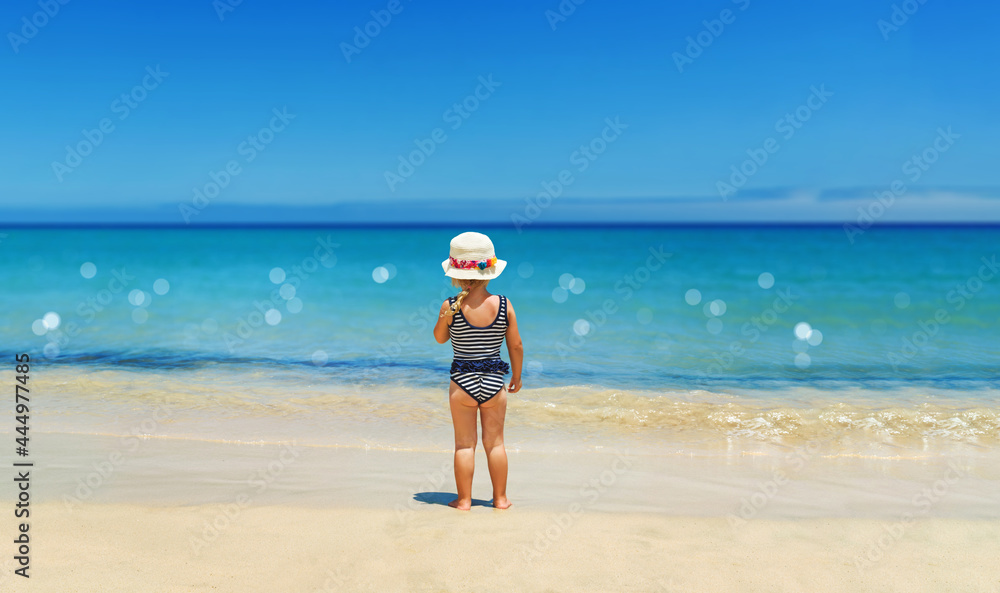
x: 492, y: 413
x: 463, y: 416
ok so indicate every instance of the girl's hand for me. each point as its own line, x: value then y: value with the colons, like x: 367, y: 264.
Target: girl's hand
x: 515, y: 385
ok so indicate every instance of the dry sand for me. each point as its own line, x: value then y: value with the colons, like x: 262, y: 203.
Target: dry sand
x: 433, y: 548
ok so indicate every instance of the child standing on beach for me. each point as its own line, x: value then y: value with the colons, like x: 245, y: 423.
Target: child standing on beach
x: 477, y: 323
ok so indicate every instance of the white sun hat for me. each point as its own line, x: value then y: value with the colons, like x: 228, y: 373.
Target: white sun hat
x: 472, y: 258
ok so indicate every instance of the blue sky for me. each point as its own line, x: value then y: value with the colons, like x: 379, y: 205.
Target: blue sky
x: 555, y: 85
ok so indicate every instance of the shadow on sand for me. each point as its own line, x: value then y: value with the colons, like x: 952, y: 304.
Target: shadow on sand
x: 443, y: 498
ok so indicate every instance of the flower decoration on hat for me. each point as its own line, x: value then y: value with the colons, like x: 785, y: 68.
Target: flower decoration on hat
x: 465, y: 264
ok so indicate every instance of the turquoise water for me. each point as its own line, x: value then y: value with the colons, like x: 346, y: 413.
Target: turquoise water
x: 641, y: 337
x: 624, y: 321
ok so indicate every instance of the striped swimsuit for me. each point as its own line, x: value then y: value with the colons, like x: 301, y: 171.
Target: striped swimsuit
x: 477, y: 367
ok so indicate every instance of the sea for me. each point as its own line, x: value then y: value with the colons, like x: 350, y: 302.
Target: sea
x: 881, y: 341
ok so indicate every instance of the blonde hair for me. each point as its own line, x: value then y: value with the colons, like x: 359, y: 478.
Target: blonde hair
x: 466, y: 285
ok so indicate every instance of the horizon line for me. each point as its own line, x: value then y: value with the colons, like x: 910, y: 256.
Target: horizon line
x: 495, y: 225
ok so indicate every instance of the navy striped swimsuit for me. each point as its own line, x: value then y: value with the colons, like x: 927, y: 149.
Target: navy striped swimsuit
x: 477, y: 367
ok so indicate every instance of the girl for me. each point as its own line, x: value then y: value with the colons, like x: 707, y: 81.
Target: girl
x: 477, y: 323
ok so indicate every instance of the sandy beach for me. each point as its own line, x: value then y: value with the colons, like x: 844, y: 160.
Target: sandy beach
x: 286, y: 548
x: 183, y: 515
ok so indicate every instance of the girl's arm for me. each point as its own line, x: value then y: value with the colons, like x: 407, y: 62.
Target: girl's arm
x: 515, y: 349
x: 442, y: 330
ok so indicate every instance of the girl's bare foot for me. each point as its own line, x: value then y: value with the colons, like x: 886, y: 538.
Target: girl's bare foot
x: 462, y: 505
x: 501, y: 503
